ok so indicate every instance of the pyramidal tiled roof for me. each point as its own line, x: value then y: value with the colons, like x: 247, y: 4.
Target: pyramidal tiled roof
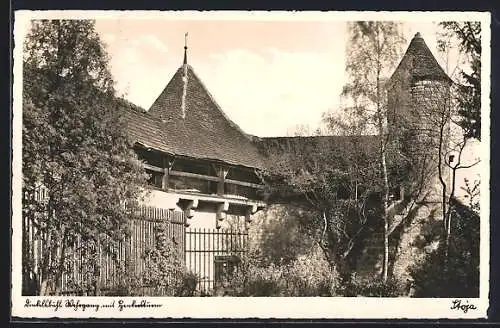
x: 419, y: 63
x: 186, y: 121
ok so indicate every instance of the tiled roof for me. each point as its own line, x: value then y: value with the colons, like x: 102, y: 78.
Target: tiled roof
x: 368, y: 142
x: 419, y: 63
x: 327, y: 147
x: 204, y: 132
x: 317, y: 153
x: 144, y: 129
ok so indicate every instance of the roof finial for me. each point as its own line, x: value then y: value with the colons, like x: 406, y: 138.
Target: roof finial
x: 417, y: 35
x: 185, y: 48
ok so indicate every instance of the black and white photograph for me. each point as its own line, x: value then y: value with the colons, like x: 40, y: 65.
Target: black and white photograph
x: 250, y: 164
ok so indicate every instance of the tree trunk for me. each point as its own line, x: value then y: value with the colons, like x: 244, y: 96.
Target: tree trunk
x: 45, y: 277
x: 385, y: 265
x: 448, y: 215
x: 335, y: 262
x: 44, y: 288
x: 443, y: 185
x: 380, y: 121
x: 60, y: 265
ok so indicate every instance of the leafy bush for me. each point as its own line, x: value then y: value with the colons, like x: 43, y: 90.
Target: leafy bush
x: 371, y: 287
x: 252, y: 278
x: 165, y: 272
x: 458, y: 274
x: 305, y: 276
x: 282, y: 237
x: 264, y: 281
x: 310, y: 276
x: 127, y: 286
x: 187, y: 287
x: 456, y: 277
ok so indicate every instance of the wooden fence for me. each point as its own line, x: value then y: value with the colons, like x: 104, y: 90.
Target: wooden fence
x: 208, y: 253
x: 111, y: 268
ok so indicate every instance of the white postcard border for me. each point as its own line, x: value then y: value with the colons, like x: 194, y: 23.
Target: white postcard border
x: 249, y: 307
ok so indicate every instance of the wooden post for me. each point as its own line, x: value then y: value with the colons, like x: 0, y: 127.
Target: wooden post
x: 221, y: 173
x: 167, y: 166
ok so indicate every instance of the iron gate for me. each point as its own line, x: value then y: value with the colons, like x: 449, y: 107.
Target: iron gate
x: 213, y: 255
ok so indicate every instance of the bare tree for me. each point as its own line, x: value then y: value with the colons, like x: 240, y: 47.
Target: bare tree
x: 466, y: 98
x: 373, y: 49
x: 330, y: 177
x: 445, y: 121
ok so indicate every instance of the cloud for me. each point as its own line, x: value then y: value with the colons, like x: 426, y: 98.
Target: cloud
x: 138, y: 66
x: 139, y: 77
x: 150, y: 41
x: 269, y: 92
x: 108, y: 38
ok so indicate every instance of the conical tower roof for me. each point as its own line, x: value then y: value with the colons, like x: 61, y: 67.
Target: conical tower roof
x: 418, y: 63
x: 190, y: 123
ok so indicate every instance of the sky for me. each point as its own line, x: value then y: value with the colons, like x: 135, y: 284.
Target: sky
x: 268, y: 76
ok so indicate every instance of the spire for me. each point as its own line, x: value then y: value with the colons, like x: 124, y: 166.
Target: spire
x: 185, y: 48
x: 184, y: 79
x: 419, y: 63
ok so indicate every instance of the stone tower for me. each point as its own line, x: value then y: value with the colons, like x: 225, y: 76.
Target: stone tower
x: 418, y: 95
x: 419, y: 110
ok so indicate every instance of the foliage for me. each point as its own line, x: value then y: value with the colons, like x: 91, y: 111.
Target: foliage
x: 457, y: 274
x: 165, y: 271
x: 329, y: 180
x: 128, y: 284
x: 308, y: 275
x: 74, y: 146
x: 311, y: 275
x: 373, y: 51
x: 472, y: 190
x: 468, y: 35
x: 371, y: 287
x: 281, y: 235
x: 284, y: 258
x: 188, y: 284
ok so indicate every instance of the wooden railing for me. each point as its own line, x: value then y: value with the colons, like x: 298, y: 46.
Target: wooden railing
x: 202, y: 176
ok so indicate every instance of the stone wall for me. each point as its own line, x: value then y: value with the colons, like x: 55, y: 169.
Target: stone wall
x: 416, y: 238
x: 275, y: 232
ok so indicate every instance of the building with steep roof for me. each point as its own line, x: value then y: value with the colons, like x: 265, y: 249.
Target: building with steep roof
x: 199, y: 160
x: 419, y: 64
x: 418, y: 83
x: 202, y: 160
x: 418, y: 94
x: 203, y: 164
